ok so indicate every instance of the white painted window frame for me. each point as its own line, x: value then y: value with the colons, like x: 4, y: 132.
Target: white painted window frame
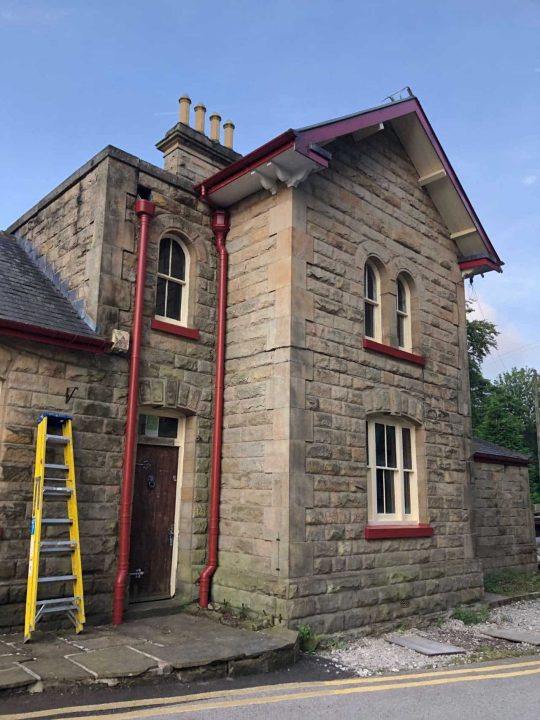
x: 374, y: 302
x: 184, y: 302
x: 404, y: 314
x: 399, y: 515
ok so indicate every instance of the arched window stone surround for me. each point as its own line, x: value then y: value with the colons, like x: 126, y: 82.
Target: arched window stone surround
x: 369, y: 251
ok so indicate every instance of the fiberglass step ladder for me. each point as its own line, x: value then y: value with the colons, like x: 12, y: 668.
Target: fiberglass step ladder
x: 55, y: 481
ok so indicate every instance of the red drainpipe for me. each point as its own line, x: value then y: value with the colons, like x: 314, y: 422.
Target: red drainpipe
x: 220, y: 227
x: 145, y: 211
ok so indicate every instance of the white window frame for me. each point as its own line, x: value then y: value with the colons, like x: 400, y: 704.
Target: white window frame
x: 405, y: 315
x: 374, y: 302
x: 399, y: 516
x: 170, y: 279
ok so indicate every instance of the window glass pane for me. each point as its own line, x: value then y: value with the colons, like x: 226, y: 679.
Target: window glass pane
x: 407, y: 456
x: 369, y: 321
x: 401, y: 297
x: 160, y: 296
x: 407, y: 492
x: 370, y: 283
x: 142, y: 424
x: 391, y: 446
x: 174, y: 300
x: 178, y: 261
x: 389, y: 497
x: 164, y: 256
x: 380, y: 491
x: 168, y: 427
x: 380, y: 453
x: 401, y: 330
x: 151, y: 425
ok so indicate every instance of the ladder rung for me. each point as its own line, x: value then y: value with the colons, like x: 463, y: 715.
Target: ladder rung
x: 56, y: 601
x: 58, y: 439
x: 56, y: 578
x: 53, y: 466
x: 57, y: 546
x: 56, y: 490
x: 58, y: 608
x: 56, y: 521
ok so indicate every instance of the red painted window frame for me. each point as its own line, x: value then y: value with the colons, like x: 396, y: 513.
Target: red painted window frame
x: 173, y: 329
x: 391, y: 532
x: 394, y: 352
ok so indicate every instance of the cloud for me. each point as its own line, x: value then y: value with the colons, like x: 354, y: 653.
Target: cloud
x: 530, y: 179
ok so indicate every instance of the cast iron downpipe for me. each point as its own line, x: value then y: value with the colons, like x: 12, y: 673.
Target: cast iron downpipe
x: 220, y: 227
x: 145, y: 211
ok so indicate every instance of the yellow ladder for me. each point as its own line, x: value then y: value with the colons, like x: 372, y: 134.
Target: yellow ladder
x: 54, y: 481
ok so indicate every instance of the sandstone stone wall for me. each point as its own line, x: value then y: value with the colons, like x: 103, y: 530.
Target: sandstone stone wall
x: 35, y: 378
x: 300, y: 386
x: 503, y: 519
x: 176, y: 372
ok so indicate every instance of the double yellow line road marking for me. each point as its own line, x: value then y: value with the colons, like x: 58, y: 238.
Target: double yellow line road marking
x: 269, y: 694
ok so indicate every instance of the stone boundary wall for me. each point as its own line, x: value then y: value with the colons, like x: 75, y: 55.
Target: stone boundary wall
x: 503, y: 518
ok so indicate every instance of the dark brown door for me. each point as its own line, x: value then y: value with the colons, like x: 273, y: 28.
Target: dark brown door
x: 152, y: 525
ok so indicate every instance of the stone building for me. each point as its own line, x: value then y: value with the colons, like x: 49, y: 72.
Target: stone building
x: 265, y: 360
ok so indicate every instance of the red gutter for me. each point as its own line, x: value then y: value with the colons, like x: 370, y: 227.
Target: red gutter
x: 145, y: 211
x: 245, y: 164
x: 48, y: 336
x: 482, y: 263
x: 220, y: 227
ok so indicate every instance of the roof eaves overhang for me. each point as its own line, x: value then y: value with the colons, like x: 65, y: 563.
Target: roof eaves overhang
x: 49, y: 336
x: 292, y: 156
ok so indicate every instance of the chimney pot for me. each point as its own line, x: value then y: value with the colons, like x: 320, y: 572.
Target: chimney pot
x: 200, y: 112
x: 185, y: 102
x: 215, y: 120
x: 228, y: 130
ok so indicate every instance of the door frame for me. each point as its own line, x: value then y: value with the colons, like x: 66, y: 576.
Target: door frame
x: 179, y: 442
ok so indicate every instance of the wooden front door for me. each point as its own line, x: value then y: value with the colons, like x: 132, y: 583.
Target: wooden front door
x: 152, y: 524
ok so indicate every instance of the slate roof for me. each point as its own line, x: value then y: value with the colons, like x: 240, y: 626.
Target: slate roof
x: 28, y: 296
x: 483, y: 447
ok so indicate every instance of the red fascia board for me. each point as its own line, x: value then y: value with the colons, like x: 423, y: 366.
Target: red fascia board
x: 500, y: 459
x: 72, y: 341
x: 245, y: 164
x: 349, y: 125
x: 172, y: 329
x: 391, y: 532
x: 393, y: 352
x: 479, y: 263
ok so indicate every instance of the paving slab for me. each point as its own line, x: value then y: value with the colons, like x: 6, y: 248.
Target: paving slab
x: 518, y: 636
x: 114, y: 662
x: 10, y: 658
x: 97, y: 639
x: 15, y: 677
x: 57, y: 670
x: 423, y: 645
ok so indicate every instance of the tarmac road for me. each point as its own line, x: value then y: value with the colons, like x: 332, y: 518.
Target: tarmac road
x: 498, y: 691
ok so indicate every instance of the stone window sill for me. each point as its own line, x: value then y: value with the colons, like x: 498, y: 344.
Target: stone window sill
x: 394, y: 352
x: 173, y: 329
x: 389, y: 532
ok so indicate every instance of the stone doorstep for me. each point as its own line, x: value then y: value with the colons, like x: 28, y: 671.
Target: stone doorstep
x: 193, y: 647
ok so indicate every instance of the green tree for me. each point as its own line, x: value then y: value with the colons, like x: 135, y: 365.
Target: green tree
x: 481, y: 339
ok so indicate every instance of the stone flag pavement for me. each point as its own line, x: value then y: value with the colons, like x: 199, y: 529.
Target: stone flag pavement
x: 192, y: 647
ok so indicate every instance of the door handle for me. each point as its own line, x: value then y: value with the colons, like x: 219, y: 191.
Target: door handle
x: 137, y: 574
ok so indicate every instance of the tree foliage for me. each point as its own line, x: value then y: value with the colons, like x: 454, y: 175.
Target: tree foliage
x: 503, y: 410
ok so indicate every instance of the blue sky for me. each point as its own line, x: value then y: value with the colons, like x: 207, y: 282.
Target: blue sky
x: 80, y: 75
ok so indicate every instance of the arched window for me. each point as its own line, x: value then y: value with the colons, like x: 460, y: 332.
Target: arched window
x: 172, y: 281
x: 403, y: 314
x: 372, y: 302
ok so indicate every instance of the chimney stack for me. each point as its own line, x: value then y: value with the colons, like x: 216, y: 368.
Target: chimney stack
x: 200, y: 112
x: 185, y: 102
x: 228, y: 131
x: 188, y: 152
x: 215, y: 120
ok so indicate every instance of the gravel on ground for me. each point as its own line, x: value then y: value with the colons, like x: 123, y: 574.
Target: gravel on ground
x: 372, y: 655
